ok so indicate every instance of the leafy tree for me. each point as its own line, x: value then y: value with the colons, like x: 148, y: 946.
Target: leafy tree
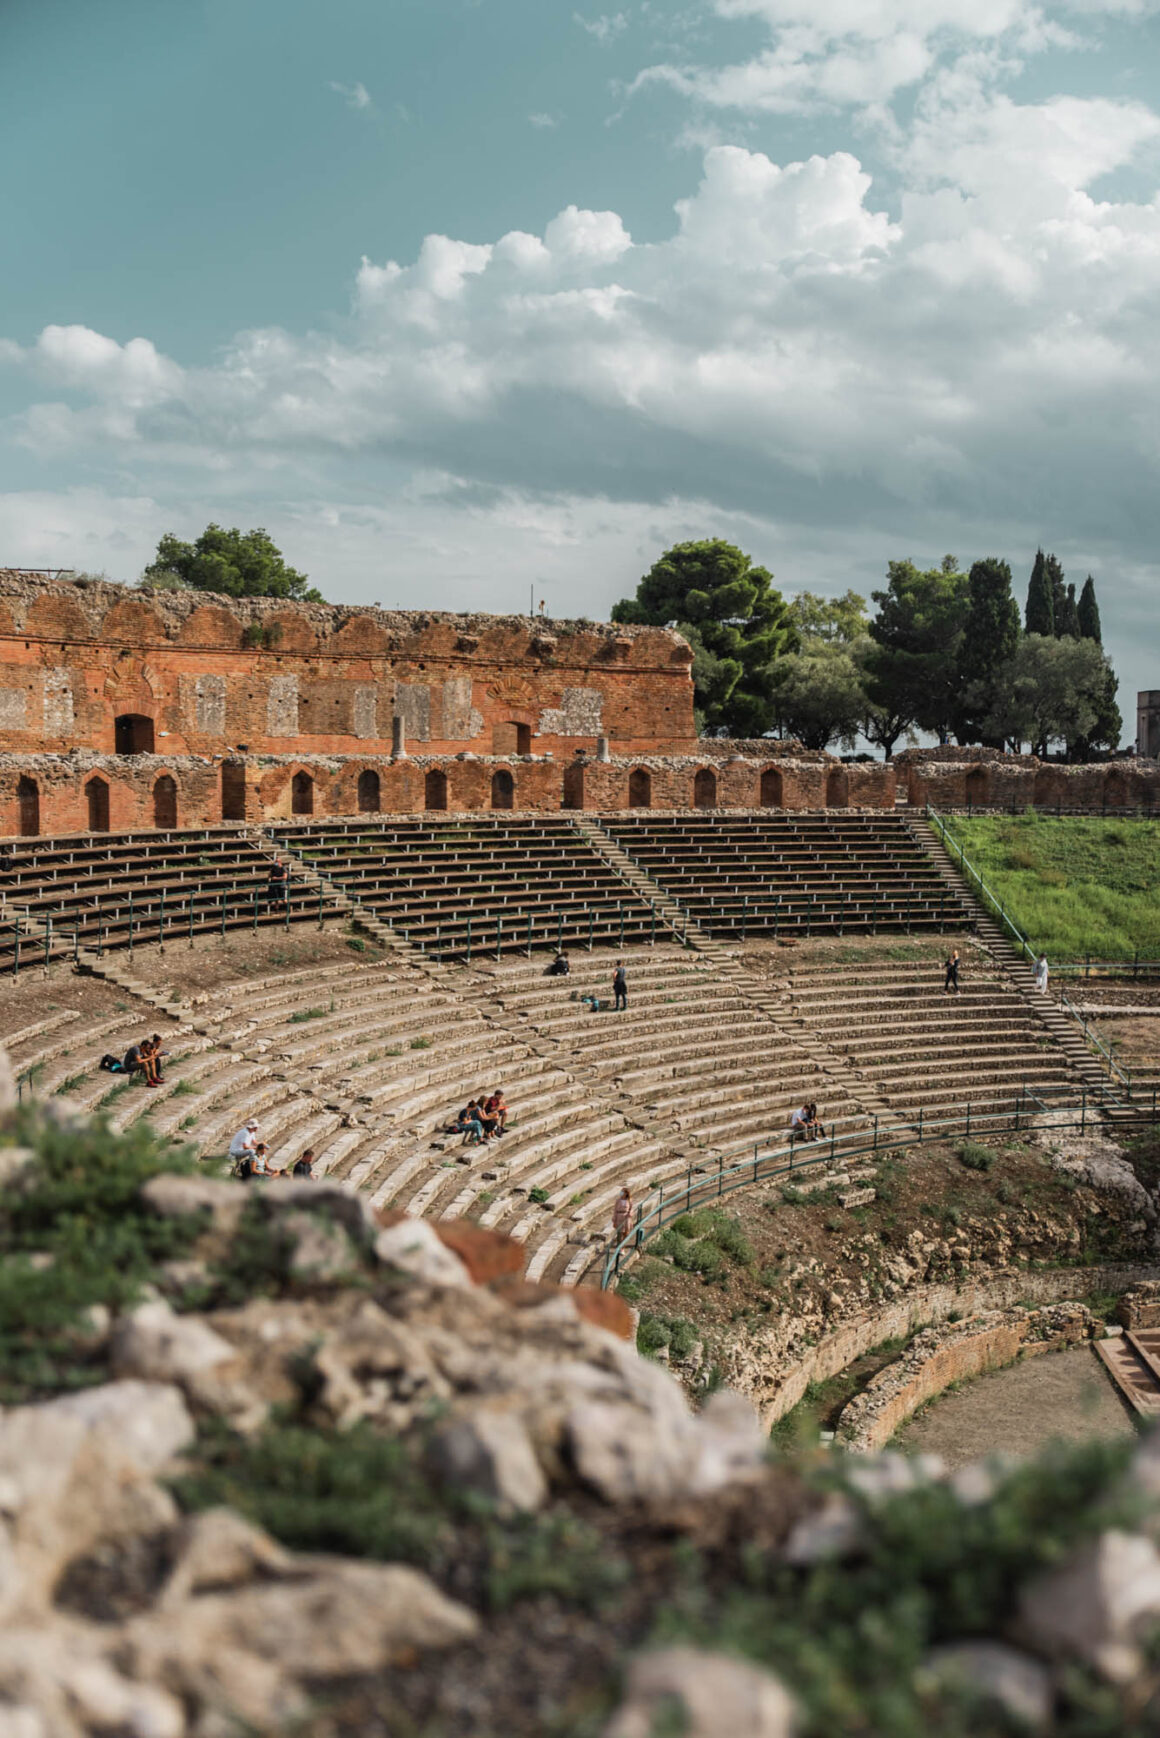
x: 833, y: 619
x: 1039, y: 617
x: 738, y: 625
x: 1048, y: 691
x: 1088, y: 613
x: 234, y: 563
x: 990, y: 636
x: 912, y: 660
x: 819, y: 694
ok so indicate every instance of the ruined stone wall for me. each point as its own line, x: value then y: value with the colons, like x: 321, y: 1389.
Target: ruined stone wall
x: 955, y: 778
x: 146, y: 791
x: 209, y: 674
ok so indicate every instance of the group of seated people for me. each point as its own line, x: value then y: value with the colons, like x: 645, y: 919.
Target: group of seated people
x: 482, y: 1120
x: 804, y: 1124
x: 250, y: 1157
x: 143, y: 1057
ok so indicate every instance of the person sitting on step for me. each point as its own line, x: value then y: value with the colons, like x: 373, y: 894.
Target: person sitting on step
x: 276, y: 884
x: 496, y: 1107
x: 799, y: 1124
x: 139, y: 1059
x: 470, y: 1124
x: 559, y: 967
x: 814, y: 1128
x: 304, y: 1164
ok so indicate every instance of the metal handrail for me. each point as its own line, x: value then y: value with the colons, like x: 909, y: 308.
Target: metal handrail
x: 969, y: 869
x: 1097, y: 1043
x: 973, y: 1120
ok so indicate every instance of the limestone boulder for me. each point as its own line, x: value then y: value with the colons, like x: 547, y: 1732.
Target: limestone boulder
x: 1096, y: 1607
x: 711, y: 1696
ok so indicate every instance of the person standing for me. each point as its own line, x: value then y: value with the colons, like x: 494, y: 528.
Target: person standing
x: 1041, y: 975
x: 622, y: 1215
x: 951, y: 981
x: 620, y: 986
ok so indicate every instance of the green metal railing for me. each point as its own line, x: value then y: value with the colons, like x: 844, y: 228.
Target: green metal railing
x: 700, y: 1187
x: 989, y: 896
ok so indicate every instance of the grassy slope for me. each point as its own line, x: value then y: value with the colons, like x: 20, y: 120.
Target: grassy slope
x: 1075, y: 885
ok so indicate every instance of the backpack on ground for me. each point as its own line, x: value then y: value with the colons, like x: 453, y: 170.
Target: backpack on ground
x: 245, y: 1166
x: 111, y: 1063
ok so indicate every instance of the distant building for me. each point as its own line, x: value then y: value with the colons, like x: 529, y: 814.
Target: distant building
x: 1148, y: 723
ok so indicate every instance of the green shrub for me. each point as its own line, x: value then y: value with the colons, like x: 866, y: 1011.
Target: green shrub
x: 307, y: 1014
x: 652, y: 1334
x: 974, y: 1156
x: 420, y: 1043
x: 539, y: 1196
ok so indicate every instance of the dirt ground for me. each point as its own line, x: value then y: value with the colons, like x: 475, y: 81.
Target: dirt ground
x: 1061, y: 1395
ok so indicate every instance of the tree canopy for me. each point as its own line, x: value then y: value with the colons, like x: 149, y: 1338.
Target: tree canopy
x: 819, y: 693
x: 912, y: 663
x: 234, y: 563
x: 990, y: 636
x: 1050, y: 691
x: 736, y: 622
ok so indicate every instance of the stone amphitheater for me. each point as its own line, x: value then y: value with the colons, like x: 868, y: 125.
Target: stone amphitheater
x: 768, y: 965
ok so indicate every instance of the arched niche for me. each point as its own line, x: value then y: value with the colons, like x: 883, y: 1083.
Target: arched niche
x: 165, y: 802
x: 435, y: 789
x: 705, y: 788
x: 302, y: 794
x: 977, y: 786
x: 28, y: 804
x: 574, y: 786
x: 640, y: 788
x: 370, y: 792
x: 837, y: 788
x: 97, y: 802
x: 233, y: 790
x: 771, y: 788
x: 503, y: 789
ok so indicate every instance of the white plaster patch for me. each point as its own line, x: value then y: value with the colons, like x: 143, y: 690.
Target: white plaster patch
x: 580, y: 713
x: 413, y: 706
x: 461, y: 721
x: 13, y: 709
x: 282, y: 706
x: 210, y: 705
x: 366, y: 705
x: 58, y: 702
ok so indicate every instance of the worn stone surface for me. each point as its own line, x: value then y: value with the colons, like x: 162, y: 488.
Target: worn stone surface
x: 489, y: 1450
x: 1095, y: 1607
x: 714, y: 1695
x: 994, y: 1673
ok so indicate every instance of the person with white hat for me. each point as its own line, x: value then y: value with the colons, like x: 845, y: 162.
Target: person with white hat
x: 243, y: 1144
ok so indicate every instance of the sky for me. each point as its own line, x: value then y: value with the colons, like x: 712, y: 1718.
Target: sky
x: 469, y: 301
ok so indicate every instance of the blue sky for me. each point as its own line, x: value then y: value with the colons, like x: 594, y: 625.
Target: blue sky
x: 459, y: 297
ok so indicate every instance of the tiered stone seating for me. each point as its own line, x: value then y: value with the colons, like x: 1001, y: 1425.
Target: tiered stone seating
x: 487, y: 883
x: 801, y: 873
x: 916, y: 1047
x: 94, y: 891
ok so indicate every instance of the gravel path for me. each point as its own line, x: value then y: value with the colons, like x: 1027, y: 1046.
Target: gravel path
x: 1018, y: 1410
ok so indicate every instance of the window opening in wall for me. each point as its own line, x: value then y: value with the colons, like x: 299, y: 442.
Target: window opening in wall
x: 705, y: 789
x: 435, y: 790
x: 509, y: 736
x: 369, y: 793
x: 165, y: 802
x: 639, y: 788
x: 97, y: 797
x: 233, y: 790
x: 503, y: 789
x: 133, y: 734
x: 302, y: 794
x: 771, y: 788
x: 28, y: 799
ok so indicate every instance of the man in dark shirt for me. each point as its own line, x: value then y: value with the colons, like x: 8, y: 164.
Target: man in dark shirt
x: 140, y: 1059
x: 620, y: 986
x: 277, y: 883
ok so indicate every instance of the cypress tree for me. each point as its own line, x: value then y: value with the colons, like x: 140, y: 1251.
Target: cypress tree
x: 1067, y: 621
x: 1088, y: 613
x: 1054, y: 576
x: 1040, y: 615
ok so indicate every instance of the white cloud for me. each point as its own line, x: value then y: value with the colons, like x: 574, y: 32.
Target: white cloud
x: 606, y: 27
x: 543, y: 120
x: 357, y: 95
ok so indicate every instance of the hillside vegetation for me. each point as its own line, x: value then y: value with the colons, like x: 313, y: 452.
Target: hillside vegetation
x: 1076, y: 885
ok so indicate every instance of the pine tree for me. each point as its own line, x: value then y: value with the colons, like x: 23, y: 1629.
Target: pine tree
x: 1088, y: 613
x: 1053, y: 573
x: 1040, y: 615
x: 1067, y: 620
x: 990, y: 636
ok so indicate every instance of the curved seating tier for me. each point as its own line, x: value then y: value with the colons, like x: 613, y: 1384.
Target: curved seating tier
x: 803, y: 873
x: 478, y: 884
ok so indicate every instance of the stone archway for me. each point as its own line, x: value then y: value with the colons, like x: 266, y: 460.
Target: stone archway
x: 503, y: 789
x: 705, y: 788
x: 28, y: 803
x: 639, y: 788
x: 97, y: 800
x: 435, y: 789
x: 133, y: 733
x: 165, y: 802
x: 771, y: 788
x: 370, y: 797
x: 302, y: 794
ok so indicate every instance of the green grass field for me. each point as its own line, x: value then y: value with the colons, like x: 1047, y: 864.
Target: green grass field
x: 1076, y: 885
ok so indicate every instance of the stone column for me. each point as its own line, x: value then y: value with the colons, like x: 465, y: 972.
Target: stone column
x: 602, y: 748
x: 398, y: 738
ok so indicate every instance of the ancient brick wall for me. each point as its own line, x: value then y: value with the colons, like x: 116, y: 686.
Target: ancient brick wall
x: 205, y: 675
x: 955, y: 778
